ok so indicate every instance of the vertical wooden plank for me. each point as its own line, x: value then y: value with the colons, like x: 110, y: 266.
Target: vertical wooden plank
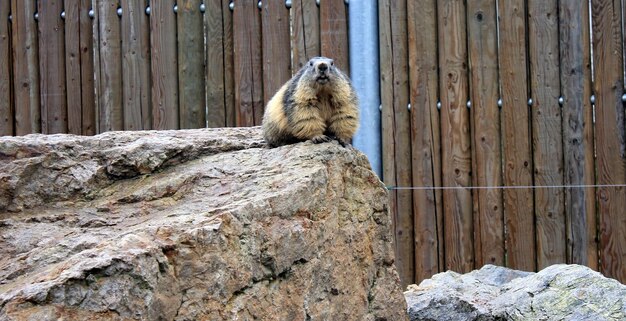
x: 86, y: 69
x: 426, y: 159
x: 305, y: 32
x: 136, y: 65
x: 164, y: 65
x: 191, y: 65
x: 397, y: 129
x: 214, y: 28
x: 25, y: 67
x: 6, y: 104
x: 543, y: 31
x: 334, y: 32
x: 485, y: 114
x: 276, y: 46
x: 52, y: 67
x: 97, y: 74
x: 578, y: 147
x: 248, y: 67
x: 455, y: 136
x: 518, y: 203
x: 229, y: 65
x: 610, y: 137
x: 72, y: 67
x: 111, y: 115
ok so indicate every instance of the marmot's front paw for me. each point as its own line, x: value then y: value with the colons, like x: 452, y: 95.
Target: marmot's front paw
x: 320, y: 139
x: 343, y: 142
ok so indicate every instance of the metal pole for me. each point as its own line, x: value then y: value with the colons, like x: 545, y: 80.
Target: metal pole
x: 364, y: 72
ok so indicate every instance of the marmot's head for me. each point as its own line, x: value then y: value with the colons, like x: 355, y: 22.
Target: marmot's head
x: 321, y: 71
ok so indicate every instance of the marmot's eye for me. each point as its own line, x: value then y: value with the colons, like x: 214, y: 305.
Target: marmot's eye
x: 311, y: 64
x: 332, y: 63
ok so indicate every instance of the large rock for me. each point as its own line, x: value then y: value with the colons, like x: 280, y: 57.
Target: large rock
x: 559, y: 292
x: 192, y: 225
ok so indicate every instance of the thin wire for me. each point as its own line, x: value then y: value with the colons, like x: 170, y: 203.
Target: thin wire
x: 499, y: 187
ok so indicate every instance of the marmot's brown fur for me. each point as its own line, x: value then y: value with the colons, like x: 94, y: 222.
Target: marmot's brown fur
x: 317, y: 104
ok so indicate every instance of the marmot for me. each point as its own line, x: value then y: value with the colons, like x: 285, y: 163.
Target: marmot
x: 318, y: 104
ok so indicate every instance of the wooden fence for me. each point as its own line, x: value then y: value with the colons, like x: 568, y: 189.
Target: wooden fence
x: 109, y: 65
x: 525, y: 67
x: 89, y: 66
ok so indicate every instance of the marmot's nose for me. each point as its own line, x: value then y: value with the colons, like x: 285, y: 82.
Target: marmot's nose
x: 322, y: 67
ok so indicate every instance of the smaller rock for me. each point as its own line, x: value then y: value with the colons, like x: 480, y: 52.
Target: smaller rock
x: 559, y: 292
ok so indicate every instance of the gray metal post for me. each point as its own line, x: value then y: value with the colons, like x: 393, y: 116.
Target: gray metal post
x: 364, y: 72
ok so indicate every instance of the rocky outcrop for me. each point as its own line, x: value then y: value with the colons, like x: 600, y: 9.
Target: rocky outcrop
x: 559, y: 292
x: 192, y: 225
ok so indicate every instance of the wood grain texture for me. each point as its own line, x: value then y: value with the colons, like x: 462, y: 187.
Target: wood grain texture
x: 425, y: 155
x: 87, y: 71
x: 6, y: 104
x: 578, y: 150
x: 110, y: 111
x: 276, y: 46
x: 72, y: 67
x: 136, y: 65
x: 334, y: 32
x: 248, y: 63
x: 610, y: 138
x: 229, y: 65
x: 455, y: 136
x: 52, y: 67
x: 164, y: 65
x: 485, y: 115
x: 543, y: 27
x: 191, y: 81
x: 215, y: 95
x: 305, y: 32
x: 25, y: 67
x: 395, y: 99
x: 518, y: 203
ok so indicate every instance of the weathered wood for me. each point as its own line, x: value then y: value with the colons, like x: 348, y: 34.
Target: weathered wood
x: 247, y: 63
x: 72, y: 67
x: 276, y: 46
x: 191, y: 72
x: 305, y: 32
x: 582, y: 247
x: 25, y: 67
x: 52, y: 67
x: 87, y: 72
x: 6, y: 104
x: 215, y: 97
x: 455, y: 139
x: 111, y: 115
x: 518, y: 203
x: 485, y: 115
x: 426, y: 158
x: 547, y: 132
x: 229, y: 65
x: 164, y: 71
x: 136, y: 65
x: 610, y: 138
x: 396, y: 121
x: 334, y: 32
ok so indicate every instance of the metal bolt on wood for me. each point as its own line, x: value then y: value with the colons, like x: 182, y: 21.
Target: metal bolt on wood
x: 469, y: 104
x: 148, y: 11
x: 593, y: 99
x: 10, y: 17
x: 500, y: 102
x: 231, y: 6
x: 91, y: 13
x: 288, y: 4
x: 202, y: 8
x: 346, y: 2
x: 36, y: 16
x: 561, y: 100
x: 439, y: 105
x: 259, y: 4
x: 624, y: 98
x: 317, y: 2
x: 380, y: 107
x: 408, y: 107
x: 63, y: 15
x: 530, y: 101
x: 175, y: 8
x: 119, y: 12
